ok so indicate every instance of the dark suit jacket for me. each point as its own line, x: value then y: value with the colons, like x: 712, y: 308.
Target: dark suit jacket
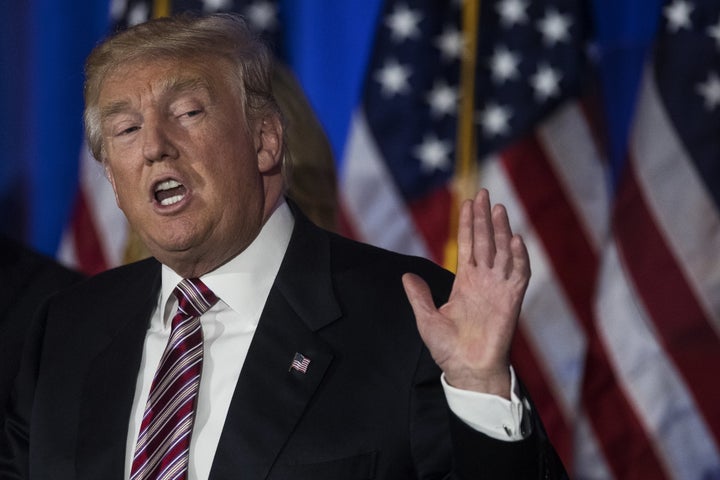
x: 27, y: 278
x: 369, y: 406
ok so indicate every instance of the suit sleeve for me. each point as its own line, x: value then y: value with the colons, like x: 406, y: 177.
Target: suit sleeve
x: 446, y: 447
x: 443, y: 446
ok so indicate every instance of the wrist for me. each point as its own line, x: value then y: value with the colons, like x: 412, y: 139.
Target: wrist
x: 494, y: 382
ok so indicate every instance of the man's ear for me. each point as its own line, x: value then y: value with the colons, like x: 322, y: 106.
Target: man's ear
x: 269, y: 143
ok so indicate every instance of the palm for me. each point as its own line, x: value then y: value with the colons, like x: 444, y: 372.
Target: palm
x: 469, y: 337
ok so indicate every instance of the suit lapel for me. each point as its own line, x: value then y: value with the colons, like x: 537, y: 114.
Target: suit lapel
x: 270, y: 396
x: 114, y: 357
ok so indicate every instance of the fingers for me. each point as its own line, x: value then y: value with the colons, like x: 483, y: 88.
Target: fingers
x: 483, y: 231
x: 521, y: 259
x: 486, y: 238
x: 418, y: 294
x: 465, y: 235
x: 503, y: 235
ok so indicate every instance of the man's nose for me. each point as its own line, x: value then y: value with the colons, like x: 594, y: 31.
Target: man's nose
x: 157, y: 143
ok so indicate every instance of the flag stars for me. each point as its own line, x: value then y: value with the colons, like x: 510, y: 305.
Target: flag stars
x: 710, y: 91
x: 442, y: 99
x: 678, y: 15
x: 494, y: 120
x: 554, y: 27
x: 504, y: 65
x: 262, y: 15
x: 216, y: 5
x: 545, y: 82
x: 139, y: 13
x: 512, y: 12
x: 117, y: 9
x: 403, y: 23
x: 450, y: 43
x: 433, y: 153
x: 393, y: 78
x: 714, y: 32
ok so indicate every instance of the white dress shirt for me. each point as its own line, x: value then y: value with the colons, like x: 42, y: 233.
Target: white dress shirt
x: 243, y: 285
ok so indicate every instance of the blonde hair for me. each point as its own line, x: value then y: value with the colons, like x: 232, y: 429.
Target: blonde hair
x: 222, y: 36
x: 313, y: 180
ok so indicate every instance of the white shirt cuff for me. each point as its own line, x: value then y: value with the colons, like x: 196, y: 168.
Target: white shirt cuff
x: 492, y: 415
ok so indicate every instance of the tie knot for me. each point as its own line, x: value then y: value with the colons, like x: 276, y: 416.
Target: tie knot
x: 194, y: 297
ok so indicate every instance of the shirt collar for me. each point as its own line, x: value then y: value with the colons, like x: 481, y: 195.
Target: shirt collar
x: 244, y: 282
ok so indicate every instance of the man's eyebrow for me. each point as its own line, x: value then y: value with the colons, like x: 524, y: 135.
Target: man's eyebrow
x: 114, y: 108
x: 172, y: 86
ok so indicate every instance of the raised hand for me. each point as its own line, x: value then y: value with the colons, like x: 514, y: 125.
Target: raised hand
x: 470, y: 336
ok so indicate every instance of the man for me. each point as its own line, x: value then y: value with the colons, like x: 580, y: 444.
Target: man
x: 311, y: 364
x: 27, y: 278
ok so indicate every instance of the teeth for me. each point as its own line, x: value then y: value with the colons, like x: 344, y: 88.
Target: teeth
x: 171, y: 200
x: 167, y: 185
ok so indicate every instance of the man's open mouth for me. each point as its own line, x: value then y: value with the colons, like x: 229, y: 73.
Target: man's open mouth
x: 169, y: 192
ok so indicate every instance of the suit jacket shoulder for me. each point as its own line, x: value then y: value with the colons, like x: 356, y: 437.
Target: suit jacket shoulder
x: 75, y: 387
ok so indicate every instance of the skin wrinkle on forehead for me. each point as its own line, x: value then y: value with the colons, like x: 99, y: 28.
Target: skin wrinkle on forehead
x: 169, y: 88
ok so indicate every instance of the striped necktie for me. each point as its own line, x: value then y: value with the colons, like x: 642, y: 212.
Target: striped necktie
x: 161, y: 452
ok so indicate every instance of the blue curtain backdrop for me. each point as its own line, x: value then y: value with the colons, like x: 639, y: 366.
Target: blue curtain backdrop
x: 624, y: 33
x: 327, y: 45
x: 44, y: 43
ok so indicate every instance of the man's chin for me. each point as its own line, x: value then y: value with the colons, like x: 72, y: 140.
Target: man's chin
x: 168, y: 253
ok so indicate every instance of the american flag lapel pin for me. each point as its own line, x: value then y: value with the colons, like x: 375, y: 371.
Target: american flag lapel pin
x: 300, y: 363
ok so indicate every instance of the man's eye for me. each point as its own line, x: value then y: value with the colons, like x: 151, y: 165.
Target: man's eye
x: 127, y: 131
x: 193, y: 113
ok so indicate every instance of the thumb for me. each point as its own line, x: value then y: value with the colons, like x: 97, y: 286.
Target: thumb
x: 418, y: 293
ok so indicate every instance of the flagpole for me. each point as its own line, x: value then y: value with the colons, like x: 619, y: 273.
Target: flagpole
x: 465, y: 179
x: 161, y: 8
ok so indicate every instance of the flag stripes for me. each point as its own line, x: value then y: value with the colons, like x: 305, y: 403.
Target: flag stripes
x: 98, y: 230
x: 547, y: 317
x: 574, y: 158
x: 667, y: 298
x: 574, y: 261
x: 649, y: 379
x: 664, y: 166
x: 654, y: 304
x: 373, y: 205
x: 430, y: 217
x: 83, y: 239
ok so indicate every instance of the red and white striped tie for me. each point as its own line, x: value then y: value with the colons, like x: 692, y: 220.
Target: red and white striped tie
x: 161, y: 452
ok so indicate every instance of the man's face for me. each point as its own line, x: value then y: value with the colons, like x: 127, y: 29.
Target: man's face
x: 193, y: 178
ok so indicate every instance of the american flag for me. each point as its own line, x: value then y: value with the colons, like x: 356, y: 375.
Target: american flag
x: 658, y: 298
x: 398, y: 161
x: 300, y: 363
x: 620, y: 324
